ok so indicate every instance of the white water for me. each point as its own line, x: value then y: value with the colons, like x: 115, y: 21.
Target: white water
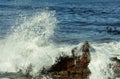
x: 30, y: 44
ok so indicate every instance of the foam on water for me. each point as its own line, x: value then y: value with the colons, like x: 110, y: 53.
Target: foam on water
x: 30, y: 44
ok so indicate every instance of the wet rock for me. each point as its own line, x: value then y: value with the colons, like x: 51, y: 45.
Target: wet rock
x: 112, y: 30
x: 115, y: 66
x: 13, y: 75
x: 72, y: 66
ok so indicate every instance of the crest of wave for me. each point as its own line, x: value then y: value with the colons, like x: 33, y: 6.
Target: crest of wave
x: 29, y: 44
x: 38, y: 27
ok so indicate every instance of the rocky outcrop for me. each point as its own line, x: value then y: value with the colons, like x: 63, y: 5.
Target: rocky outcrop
x: 72, y: 66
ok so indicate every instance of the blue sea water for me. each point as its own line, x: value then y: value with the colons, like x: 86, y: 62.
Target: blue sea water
x: 36, y: 31
x: 78, y: 20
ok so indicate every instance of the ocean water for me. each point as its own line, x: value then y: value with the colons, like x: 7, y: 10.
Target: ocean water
x: 37, y: 31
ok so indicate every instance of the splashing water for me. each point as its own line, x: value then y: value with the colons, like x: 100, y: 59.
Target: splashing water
x: 30, y: 44
x: 40, y: 26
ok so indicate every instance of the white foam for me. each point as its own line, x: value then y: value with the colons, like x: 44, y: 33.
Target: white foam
x: 30, y: 44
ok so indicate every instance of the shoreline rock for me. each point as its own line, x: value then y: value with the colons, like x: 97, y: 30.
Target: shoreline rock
x: 72, y: 66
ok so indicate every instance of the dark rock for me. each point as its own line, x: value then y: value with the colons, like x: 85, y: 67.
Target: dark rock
x: 116, y: 66
x: 72, y: 66
x: 112, y: 30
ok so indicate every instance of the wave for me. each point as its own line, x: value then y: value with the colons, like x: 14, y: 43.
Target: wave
x: 30, y: 43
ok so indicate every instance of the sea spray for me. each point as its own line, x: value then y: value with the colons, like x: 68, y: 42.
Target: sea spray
x: 30, y: 44
x: 100, y: 58
x: 100, y: 62
x: 40, y: 26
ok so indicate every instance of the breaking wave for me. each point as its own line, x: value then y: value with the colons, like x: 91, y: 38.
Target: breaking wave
x: 30, y: 43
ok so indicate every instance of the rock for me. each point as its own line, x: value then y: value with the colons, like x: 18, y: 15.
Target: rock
x: 112, y: 30
x: 115, y: 66
x: 72, y: 66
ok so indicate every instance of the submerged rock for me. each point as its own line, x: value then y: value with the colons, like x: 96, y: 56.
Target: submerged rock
x: 112, y: 30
